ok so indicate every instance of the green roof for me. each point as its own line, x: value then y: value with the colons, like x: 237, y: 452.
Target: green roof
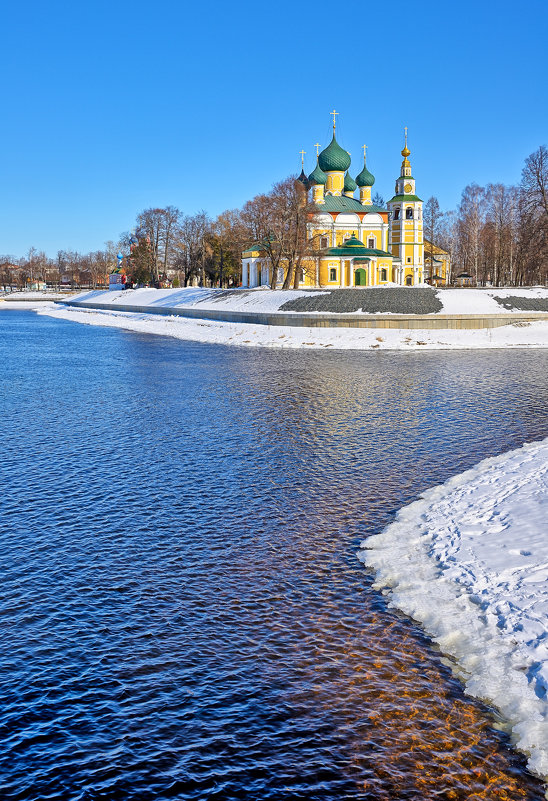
x: 365, y: 178
x: 353, y: 247
x: 318, y: 176
x: 341, y: 203
x: 402, y: 198
x: 334, y: 158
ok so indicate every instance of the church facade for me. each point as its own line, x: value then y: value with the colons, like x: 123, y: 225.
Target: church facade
x: 352, y: 241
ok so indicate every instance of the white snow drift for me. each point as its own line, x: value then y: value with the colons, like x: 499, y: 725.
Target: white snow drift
x: 470, y: 562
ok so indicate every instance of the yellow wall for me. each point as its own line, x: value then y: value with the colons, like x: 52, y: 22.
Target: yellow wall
x: 335, y: 182
x: 365, y: 195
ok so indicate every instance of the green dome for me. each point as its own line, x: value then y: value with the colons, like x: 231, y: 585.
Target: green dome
x: 353, y: 243
x: 349, y: 183
x: 365, y: 178
x: 334, y: 158
x: 317, y: 177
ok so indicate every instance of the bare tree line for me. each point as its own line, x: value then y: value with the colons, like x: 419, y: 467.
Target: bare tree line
x: 498, y: 234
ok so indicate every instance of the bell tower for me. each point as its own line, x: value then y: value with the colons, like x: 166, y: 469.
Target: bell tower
x: 406, y: 241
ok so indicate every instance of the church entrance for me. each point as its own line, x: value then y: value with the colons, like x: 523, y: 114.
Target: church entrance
x: 409, y: 280
x: 360, y: 277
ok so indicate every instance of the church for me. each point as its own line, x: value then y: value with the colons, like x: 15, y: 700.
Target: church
x: 353, y: 242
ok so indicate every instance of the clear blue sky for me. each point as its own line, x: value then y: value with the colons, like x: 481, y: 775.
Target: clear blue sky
x: 112, y: 107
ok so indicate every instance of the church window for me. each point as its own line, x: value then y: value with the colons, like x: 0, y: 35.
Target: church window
x: 371, y: 243
x: 333, y: 274
x: 396, y: 214
x: 383, y: 275
x: 409, y: 214
x: 301, y: 277
x: 323, y: 242
x: 409, y: 258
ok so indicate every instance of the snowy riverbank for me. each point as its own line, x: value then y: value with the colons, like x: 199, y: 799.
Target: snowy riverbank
x: 470, y: 562
x: 519, y: 335
x: 419, y: 300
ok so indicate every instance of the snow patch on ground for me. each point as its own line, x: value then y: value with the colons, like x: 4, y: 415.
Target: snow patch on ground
x: 534, y: 335
x: 470, y: 562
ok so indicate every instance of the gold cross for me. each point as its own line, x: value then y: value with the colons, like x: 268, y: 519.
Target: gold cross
x: 334, y: 115
x: 364, y: 148
x: 317, y: 146
x: 302, y: 152
x: 406, y: 136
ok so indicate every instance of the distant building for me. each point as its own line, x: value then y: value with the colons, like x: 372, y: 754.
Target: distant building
x: 437, y: 265
x: 354, y: 243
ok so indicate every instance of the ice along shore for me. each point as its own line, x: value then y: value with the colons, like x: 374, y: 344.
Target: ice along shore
x: 469, y: 561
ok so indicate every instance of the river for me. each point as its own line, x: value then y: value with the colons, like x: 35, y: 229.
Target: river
x: 183, y: 612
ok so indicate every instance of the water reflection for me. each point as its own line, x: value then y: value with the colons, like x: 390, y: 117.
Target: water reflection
x: 187, y: 617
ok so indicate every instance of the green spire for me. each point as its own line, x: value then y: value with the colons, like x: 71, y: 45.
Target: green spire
x: 317, y: 177
x: 365, y: 178
x: 350, y: 184
x: 334, y: 158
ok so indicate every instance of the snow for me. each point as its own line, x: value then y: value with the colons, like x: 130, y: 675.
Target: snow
x: 469, y: 561
x: 262, y: 299
x: 29, y: 300
x: 519, y: 335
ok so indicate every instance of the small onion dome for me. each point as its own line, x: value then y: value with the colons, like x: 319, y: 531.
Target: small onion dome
x: 317, y: 177
x: 349, y: 183
x: 303, y: 179
x: 353, y: 242
x: 334, y: 158
x: 406, y: 152
x: 365, y: 178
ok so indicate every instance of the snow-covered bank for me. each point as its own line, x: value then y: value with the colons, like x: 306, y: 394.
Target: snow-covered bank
x: 453, y: 301
x: 29, y: 300
x: 26, y: 304
x: 520, y: 335
x: 470, y: 562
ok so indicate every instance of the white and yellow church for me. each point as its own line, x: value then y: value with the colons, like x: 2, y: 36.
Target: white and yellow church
x: 353, y: 242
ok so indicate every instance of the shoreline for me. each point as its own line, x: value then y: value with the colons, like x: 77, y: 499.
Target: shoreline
x: 469, y: 562
x: 519, y: 335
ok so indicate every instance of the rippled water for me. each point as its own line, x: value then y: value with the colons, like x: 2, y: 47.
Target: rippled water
x: 183, y: 614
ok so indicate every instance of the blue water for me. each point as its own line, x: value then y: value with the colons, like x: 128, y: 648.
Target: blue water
x: 182, y: 611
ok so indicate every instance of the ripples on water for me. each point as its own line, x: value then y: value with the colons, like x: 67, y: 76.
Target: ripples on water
x: 183, y: 613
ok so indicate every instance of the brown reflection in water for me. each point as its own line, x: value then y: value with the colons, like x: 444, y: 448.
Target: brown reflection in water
x: 402, y: 724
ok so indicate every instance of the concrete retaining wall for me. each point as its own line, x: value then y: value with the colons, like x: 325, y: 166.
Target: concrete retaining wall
x: 430, y: 321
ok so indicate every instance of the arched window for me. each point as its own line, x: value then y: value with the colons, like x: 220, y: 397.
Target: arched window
x: 409, y: 213
x: 396, y: 214
x: 323, y: 242
x: 371, y: 243
x: 384, y: 274
x: 332, y: 273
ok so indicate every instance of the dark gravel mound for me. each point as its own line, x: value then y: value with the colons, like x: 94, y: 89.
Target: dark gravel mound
x: 514, y: 303
x: 397, y: 300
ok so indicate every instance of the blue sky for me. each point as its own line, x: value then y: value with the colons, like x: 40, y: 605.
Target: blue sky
x: 112, y: 107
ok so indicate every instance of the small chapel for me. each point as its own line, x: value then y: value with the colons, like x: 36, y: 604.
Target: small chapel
x: 354, y: 243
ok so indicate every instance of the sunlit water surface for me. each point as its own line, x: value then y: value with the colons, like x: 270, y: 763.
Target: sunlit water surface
x: 183, y: 613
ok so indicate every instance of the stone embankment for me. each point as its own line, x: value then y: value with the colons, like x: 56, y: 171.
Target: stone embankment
x: 389, y: 307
